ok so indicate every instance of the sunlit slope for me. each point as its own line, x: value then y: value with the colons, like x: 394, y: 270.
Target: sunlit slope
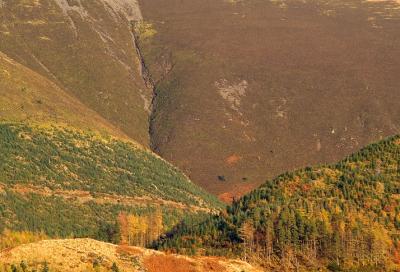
x: 27, y: 96
x: 76, y: 255
x: 87, y: 49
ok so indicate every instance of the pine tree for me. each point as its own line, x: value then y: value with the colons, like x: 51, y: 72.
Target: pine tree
x: 23, y: 266
x: 45, y: 267
x: 114, y: 268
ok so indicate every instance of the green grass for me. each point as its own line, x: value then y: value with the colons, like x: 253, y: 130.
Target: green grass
x: 27, y: 96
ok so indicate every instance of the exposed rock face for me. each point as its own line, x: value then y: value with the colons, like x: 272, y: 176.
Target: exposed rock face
x: 129, y: 9
x: 86, y: 48
x: 77, y: 255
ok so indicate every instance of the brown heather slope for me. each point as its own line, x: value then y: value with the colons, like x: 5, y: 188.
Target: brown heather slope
x: 87, y: 49
x: 80, y: 254
x: 29, y: 97
x: 248, y: 89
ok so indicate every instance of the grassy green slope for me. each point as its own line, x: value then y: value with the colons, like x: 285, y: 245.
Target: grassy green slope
x: 29, y: 97
x: 342, y: 215
x: 68, y: 182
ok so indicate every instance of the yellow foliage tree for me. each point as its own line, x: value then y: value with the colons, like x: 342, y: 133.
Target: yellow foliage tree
x: 10, y: 238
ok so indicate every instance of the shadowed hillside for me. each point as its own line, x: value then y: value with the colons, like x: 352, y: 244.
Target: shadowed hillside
x: 248, y: 89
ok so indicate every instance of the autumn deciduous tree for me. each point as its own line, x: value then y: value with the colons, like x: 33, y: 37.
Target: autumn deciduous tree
x: 140, y: 230
x: 155, y: 225
x: 123, y: 225
x: 246, y: 233
x: 14, y: 238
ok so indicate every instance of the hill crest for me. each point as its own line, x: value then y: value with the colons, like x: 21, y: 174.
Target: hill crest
x: 81, y: 254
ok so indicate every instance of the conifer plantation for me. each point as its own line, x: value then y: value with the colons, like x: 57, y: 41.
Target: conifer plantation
x: 343, y: 217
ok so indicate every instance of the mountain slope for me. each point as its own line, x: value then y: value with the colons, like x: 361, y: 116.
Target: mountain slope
x: 91, y: 255
x: 248, y: 89
x: 63, y: 181
x: 87, y: 49
x: 73, y: 164
x: 345, y: 215
x: 27, y: 96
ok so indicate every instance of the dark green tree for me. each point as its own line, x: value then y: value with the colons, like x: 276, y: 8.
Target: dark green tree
x: 114, y: 267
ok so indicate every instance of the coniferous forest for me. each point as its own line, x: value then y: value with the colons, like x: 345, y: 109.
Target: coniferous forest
x: 55, y: 182
x: 344, y: 217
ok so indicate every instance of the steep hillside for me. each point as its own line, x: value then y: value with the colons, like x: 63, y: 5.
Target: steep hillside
x: 251, y: 88
x: 342, y: 216
x: 73, y: 122
x: 89, y: 255
x: 63, y: 181
x: 27, y: 96
x: 85, y: 48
